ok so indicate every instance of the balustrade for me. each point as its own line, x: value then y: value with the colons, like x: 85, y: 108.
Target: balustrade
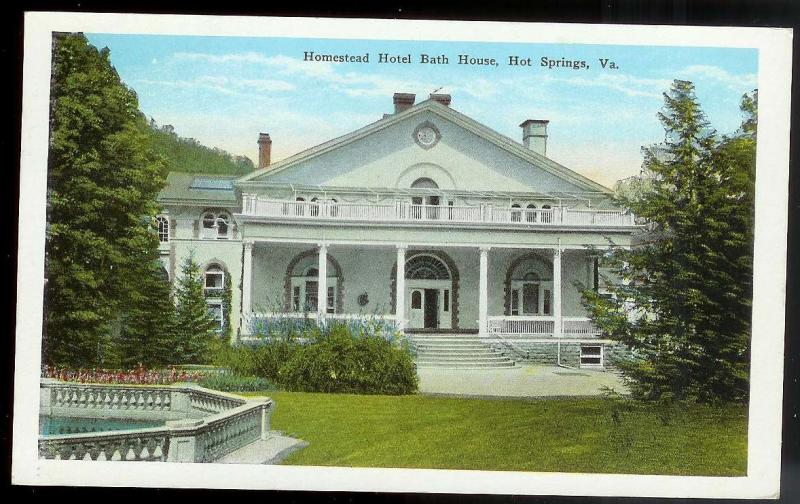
x: 403, y: 211
x: 234, y: 422
x: 576, y: 327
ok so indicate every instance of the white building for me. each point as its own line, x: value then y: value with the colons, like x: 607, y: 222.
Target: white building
x: 424, y: 217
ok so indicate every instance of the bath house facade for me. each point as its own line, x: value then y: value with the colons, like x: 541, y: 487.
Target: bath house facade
x: 425, y: 218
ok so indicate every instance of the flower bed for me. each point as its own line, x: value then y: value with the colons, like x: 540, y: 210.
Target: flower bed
x: 138, y: 376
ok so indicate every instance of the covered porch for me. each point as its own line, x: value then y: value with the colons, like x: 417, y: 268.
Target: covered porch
x: 499, y: 292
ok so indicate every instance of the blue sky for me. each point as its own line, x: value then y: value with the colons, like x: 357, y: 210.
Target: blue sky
x: 223, y: 91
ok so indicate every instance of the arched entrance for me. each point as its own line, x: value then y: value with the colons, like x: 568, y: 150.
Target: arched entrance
x: 429, y: 288
x: 301, y: 281
x: 529, y: 286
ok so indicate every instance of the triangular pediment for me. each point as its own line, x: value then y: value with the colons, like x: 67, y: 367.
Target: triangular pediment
x: 430, y: 140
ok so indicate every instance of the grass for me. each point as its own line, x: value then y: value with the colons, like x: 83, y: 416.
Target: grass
x: 562, y: 435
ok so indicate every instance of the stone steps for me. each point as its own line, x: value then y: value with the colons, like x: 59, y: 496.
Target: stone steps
x: 457, y: 351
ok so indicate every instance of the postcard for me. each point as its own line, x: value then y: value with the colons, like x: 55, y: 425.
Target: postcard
x: 401, y: 256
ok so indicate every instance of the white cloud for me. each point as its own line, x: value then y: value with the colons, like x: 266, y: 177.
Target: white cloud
x: 224, y: 85
x: 738, y: 82
x: 629, y: 86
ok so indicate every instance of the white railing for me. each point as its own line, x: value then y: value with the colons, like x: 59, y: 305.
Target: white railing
x: 579, y: 326
x: 402, y: 211
x: 518, y: 324
x: 538, y: 326
x: 226, y: 422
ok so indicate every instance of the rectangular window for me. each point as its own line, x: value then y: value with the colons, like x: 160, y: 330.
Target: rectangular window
x: 596, y: 274
x: 215, y: 309
x: 530, y: 299
x: 311, y: 296
x: 296, y: 298
x: 548, y: 296
x: 515, y: 302
x: 331, y: 300
x: 592, y: 355
x: 446, y: 300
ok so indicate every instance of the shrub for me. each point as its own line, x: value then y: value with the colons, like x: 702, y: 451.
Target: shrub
x: 229, y: 382
x: 339, y: 360
x: 262, y: 359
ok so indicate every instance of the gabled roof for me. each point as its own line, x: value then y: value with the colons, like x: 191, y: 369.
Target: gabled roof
x: 447, y: 113
x: 201, y: 188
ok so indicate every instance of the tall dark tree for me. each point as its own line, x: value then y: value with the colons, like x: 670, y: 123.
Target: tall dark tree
x: 196, y: 330
x: 102, y: 183
x: 147, y: 332
x: 684, y: 303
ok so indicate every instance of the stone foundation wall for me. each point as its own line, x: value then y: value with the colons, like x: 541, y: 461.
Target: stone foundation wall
x: 547, y: 352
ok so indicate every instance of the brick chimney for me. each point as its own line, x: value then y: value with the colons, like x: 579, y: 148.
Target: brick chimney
x: 403, y: 101
x: 264, y: 149
x: 444, y: 99
x: 534, y: 135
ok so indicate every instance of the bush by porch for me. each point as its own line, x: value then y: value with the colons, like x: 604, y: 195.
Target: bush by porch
x: 361, y: 356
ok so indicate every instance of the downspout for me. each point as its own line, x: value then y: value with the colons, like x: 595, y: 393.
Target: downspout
x: 558, y: 359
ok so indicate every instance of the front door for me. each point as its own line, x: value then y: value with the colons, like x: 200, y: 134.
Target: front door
x: 416, y: 311
x: 431, y: 308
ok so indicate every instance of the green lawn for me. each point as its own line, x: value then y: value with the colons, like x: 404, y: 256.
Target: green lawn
x: 564, y: 435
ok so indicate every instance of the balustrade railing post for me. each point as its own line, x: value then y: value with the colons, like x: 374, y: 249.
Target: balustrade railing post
x: 184, y: 445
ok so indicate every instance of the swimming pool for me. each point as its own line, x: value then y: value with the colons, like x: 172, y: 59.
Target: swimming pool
x: 55, y: 426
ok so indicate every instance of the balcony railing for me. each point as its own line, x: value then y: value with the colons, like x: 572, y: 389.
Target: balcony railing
x: 402, y: 211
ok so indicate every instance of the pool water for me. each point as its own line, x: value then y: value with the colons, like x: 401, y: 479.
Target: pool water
x: 54, y: 426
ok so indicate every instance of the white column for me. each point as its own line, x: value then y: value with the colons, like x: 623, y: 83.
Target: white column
x: 558, y: 324
x: 247, y: 289
x: 483, y: 292
x: 322, y: 281
x: 400, y: 288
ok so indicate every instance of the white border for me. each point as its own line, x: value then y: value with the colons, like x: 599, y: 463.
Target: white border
x: 764, y: 429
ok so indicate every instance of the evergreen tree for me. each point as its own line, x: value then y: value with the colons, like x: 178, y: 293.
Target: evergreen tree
x: 683, y: 305
x: 148, y: 330
x: 102, y: 184
x: 196, y: 330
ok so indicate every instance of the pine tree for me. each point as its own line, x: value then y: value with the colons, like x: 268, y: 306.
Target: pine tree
x: 683, y: 306
x: 196, y: 330
x: 148, y: 329
x: 102, y: 184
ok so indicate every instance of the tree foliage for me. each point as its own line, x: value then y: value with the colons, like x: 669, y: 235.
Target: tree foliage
x: 147, y: 334
x: 102, y: 183
x: 196, y: 330
x: 684, y: 303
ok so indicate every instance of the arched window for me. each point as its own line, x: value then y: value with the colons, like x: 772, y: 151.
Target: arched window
x: 163, y: 228
x: 547, y: 214
x: 304, y: 286
x: 216, y: 225
x: 299, y: 208
x: 424, y: 183
x: 516, y: 213
x: 214, y: 278
x: 530, y: 287
x: 314, y: 207
x: 530, y: 213
x: 425, y: 267
x: 416, y: 300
